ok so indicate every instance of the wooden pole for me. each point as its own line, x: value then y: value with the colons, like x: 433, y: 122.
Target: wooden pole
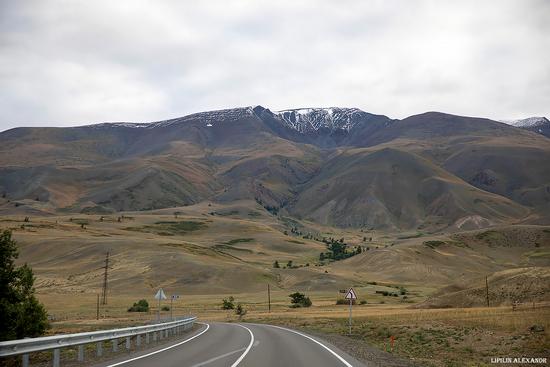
x: 268, y: 299
x: 105, y: 277
x: 97, y: 313
x: 487, y: 290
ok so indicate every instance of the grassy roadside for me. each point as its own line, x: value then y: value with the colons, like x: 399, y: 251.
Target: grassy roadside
x: 443, y: 337
x: 428, y: 337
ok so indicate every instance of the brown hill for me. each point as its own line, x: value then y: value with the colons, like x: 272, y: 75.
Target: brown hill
x: 393, y: 189
x: 520, y: 285
x: 430, y: 170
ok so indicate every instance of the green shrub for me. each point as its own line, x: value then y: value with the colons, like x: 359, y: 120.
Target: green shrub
x: 228, y: 304
x: 165, y: 308
x: 140, y: 306
x: 299, y: 300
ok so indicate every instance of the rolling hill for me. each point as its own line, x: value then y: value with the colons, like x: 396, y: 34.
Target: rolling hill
x: 335, y: 166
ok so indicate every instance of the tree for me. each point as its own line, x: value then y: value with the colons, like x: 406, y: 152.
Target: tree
x: 21, y: 315
x: 276, y: 264
x: 140, y: 306
x: 299, y: 300
x: 228, y: 304
x: 289, y: 264
x: 321, y: 256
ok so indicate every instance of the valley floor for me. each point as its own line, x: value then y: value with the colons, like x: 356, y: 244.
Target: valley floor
x: 426, y: 289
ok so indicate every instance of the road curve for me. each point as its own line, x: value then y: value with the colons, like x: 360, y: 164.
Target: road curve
x: 242, y: 345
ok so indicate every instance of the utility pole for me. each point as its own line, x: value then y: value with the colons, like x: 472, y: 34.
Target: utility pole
x: 105, y: 276
x: 487, y: 290
x: 268, y: 298
x: 97, y: 309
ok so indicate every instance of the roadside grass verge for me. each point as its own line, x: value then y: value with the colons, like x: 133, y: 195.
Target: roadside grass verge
x: 442, y: 337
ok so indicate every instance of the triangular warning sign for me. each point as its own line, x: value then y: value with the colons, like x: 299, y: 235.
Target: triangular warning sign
x: 160, y: 295
x: 351, y: 294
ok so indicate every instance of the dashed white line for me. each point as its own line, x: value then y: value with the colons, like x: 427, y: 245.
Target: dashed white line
x: 164, y: 349
x: 247, y: 348
x: 313, y: 340
x: 217, y: 358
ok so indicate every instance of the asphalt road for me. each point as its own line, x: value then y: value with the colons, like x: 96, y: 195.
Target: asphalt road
x: 244, y: 345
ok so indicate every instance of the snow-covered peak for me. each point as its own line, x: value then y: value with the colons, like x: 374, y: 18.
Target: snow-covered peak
x: 210, y: 118
x: 131, y: 125
x: 312, y: 119
x: 528, y: 122
x: 303, y: 120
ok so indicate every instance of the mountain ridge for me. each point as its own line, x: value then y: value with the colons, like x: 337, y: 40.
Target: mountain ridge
x: 252, y: 153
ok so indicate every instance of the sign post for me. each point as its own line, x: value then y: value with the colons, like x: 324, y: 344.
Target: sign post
x: 174, y: 296
x: 351, y: 296
x: 159, y: 296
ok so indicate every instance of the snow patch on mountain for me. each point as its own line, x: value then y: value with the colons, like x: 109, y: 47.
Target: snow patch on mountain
x: 303, y: 120
x: 528, y: 122
x: 210, y: 118
x: 104, y: 125
x: 306, y: 120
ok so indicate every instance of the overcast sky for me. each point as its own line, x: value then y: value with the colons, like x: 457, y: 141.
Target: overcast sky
x: 72, y: 62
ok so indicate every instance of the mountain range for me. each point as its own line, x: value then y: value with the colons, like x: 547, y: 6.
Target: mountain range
x: 333, y: 166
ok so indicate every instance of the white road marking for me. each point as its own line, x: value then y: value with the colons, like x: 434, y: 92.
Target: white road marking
x: 218, y: 357
x: 247, y: 348
x: 313, y: 340
x: 164, y: 349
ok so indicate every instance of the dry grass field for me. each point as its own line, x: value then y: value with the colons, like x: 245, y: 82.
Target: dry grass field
x: 210, y: 251
x: 429, y: 337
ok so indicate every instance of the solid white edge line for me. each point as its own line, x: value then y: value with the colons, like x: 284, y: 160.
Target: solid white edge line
x: 247, y: 348
x: 164, y: 349
x: 310, y: 338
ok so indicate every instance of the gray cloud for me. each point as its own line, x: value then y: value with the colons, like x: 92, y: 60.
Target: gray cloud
x: 74, y: 62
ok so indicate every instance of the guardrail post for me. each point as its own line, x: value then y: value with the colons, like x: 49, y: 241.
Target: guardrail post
x: 99, y: 349
x: 115, y: 345
x: 146, y: 338
x: 155, y: 336
x: 138, y: 340
x: 56, y: 357
x: 25, y: 360
x: 128, y: 343
x: 81, y: 353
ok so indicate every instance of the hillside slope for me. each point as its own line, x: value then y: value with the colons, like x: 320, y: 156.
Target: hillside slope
x: 430, y: 170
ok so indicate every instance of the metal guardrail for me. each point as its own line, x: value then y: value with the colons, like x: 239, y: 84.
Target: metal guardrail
x: 31, y: 345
